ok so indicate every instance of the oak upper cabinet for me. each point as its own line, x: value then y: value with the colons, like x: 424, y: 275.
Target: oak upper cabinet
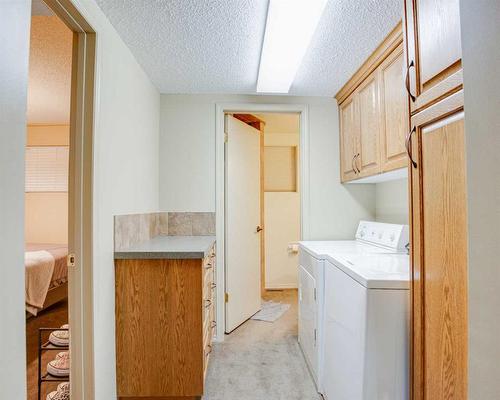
x: 434, y: 67
x: 439, y: 252
x: 373, y: 108
x: 349, y: 138
x: 368, y: 157
x: 393, y: 112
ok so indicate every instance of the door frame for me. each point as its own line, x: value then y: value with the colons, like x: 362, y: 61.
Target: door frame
x: 251, y: 108
x: 80, y: 191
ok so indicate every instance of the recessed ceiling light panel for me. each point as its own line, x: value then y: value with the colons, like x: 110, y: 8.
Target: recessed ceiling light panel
x: 289, y: 28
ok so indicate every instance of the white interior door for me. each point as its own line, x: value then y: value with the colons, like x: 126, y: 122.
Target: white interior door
x: 242, y: 240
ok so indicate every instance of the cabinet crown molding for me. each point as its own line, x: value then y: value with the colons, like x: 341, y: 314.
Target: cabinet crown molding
x: 389, y: 44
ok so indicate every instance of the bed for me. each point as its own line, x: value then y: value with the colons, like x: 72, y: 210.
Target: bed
x: 46, y: 275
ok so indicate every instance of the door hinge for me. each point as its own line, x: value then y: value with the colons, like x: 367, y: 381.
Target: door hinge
x: 226, y: 297
x: 70, y: 260
x: 225, y: 137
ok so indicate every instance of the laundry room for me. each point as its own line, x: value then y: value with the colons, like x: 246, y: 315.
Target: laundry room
x: 236, y: 199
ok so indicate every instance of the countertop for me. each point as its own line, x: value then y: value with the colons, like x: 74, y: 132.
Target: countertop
x: 169, y: 247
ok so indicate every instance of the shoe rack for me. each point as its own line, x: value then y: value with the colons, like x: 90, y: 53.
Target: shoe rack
x: 44, y: 346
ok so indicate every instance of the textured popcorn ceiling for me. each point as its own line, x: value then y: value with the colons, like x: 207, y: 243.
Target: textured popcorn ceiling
x: 49, y: 90
x: 213, y: 46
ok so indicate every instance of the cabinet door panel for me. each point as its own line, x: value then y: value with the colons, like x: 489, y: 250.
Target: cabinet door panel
x: 369, y: 127
x: 439, y: 256
x: 394, y: 112
x: 434, y: 46
x: 348, y: 138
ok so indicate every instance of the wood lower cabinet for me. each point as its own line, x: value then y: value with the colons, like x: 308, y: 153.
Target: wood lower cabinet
x: 165, y: 321
x: 439, y: 252
x: 434, y: 67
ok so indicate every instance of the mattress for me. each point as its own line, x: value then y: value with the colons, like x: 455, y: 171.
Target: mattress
x: 60, y: 253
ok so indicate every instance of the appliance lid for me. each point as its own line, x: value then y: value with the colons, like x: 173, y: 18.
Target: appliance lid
x: 321, y: 249
x: 375, y: 271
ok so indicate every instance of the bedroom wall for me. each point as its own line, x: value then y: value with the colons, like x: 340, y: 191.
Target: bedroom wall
x: 14, y: 48
x: 46, y: 213
x: 187, y: 161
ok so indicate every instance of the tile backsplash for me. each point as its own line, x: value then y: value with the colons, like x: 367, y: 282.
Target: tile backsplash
x: 132, y: 229
x: 191, y: 223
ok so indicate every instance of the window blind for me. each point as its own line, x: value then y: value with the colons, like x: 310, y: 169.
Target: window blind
x: 47, y: 168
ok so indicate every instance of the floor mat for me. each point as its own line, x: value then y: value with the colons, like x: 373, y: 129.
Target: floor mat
x: 271, y: 311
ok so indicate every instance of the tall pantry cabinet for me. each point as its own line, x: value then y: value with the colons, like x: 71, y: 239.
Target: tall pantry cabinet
x: 436, y: 150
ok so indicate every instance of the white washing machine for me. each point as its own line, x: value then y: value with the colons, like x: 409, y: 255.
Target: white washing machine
x: 371, y: 238
x: 366, y: 327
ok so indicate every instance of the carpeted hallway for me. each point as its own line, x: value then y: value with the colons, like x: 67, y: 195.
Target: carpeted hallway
x: 261, y: 360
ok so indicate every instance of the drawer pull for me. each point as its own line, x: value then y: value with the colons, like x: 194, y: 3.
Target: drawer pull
x: 208, y: 303
x: 408, y: 147
x: 407, y: 81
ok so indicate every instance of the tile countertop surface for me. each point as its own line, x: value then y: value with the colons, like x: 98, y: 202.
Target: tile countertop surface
x: 169, y: 247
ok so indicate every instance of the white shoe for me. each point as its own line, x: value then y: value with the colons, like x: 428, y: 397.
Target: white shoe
x: 62, y: 392
x: 60, y: 338
x: 60, y: 365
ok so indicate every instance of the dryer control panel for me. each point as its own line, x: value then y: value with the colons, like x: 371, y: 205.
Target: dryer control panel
x: 392, y: 236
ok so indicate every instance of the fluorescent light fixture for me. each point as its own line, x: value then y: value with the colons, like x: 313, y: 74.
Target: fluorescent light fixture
x: 289, y: 28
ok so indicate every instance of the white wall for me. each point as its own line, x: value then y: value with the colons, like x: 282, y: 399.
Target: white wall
x: 125, y: 172
x: 14, y: 48
x: 281, y: 216
x: 391, y: 202
x: 481, y: 60
x: 125, y: 178
x: 187, y: 161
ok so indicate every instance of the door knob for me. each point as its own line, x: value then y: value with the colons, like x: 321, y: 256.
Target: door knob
x: 258, y: 229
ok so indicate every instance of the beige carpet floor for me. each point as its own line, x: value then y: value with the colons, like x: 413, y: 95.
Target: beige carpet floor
x: 261, y: 360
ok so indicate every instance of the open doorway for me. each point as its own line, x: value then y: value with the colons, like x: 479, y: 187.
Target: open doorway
x: 58, y: 203
x: 250, y: 172
x: 262, y: 216
x: 46, y: 204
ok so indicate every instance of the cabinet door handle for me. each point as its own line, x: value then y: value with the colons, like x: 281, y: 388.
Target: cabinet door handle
x: 408, y: 146
x: 356, y: 163
x: 352, y: 164
x: 407, y: 81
